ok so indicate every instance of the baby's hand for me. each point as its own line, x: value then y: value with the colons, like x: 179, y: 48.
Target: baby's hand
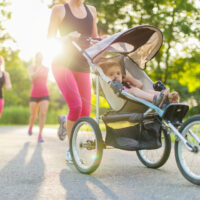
x: 125, y: 78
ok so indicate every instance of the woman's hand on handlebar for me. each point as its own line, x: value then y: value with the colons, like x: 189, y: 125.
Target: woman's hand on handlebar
x: 96, y: 40
x: 71, y: 36
x: 74, y: 35
x: 103, y: 37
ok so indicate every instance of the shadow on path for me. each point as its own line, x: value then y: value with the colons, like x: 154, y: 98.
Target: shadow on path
x: 80, y: 186
x: 20, y: 181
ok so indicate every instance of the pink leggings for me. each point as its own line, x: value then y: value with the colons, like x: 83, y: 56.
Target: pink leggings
x: 76, y: 89
x: 1, y: 105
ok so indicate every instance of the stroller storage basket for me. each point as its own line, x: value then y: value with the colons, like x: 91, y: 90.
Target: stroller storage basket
x: 144, y: 135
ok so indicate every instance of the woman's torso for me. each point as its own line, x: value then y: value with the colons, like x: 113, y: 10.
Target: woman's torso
x: 71, y: 58
x: 71, y: 23
x: 39, y: 83
x: 2, y: 81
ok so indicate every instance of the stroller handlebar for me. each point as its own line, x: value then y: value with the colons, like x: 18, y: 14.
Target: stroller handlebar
x: 89, y: 39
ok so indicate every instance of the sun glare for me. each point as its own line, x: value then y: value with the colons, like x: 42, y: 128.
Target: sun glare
x: 28, y: 25
x: 50, y: 50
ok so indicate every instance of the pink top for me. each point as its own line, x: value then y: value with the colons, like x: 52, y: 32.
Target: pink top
x: 39, y: 83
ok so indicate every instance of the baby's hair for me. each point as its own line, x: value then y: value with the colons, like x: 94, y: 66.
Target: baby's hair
x: 109, y: 63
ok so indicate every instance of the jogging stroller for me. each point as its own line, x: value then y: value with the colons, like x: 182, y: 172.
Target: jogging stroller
x: 149, y: 132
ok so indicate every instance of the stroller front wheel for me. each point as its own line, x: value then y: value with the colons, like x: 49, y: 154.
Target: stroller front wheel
x: 157, y: 157
x: 189, y: 162
x: 86, y: 145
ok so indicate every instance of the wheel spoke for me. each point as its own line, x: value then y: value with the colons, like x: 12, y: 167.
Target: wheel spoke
x: 156, y: 158
x: 86, y: 145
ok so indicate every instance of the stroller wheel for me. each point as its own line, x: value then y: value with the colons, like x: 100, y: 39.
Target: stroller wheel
x: 189, y: 162
x: 86, y: 145
x: 158, y: 157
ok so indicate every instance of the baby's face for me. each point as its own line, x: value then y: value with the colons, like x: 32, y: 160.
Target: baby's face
x: 114, y: 72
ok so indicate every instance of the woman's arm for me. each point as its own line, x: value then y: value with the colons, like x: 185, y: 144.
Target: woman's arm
x: 57, y: 15
x: 8, y: 84
x: 135, y: 82
x: 94, y: 30
x: 33, y: 73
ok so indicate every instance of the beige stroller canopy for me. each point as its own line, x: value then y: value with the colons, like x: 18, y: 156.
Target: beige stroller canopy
x: 140, y: 43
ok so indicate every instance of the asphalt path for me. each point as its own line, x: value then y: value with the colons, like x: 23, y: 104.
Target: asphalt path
x: 29, y: 170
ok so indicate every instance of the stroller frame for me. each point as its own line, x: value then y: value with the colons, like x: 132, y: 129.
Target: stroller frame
x: 171, y: 119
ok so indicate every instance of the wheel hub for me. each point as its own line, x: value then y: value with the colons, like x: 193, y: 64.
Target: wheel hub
x: 89, y: 145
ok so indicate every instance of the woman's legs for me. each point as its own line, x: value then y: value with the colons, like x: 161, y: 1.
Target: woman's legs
x: 43, y: 111
x: 68, y: 86
x: 84, y: 86
x: 1, y: 105
x: 33, y: 114
x: 74, y: 86
x: 83, y: 93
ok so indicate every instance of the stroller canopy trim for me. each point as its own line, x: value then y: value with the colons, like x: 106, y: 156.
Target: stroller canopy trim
x: 140, y: 43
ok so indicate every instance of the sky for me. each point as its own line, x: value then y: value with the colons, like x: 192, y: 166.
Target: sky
x: 29, y: 25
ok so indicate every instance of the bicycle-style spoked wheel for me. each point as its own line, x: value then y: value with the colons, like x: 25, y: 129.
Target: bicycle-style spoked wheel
x: 86, y: 145
x: 157, y: 157
x: 189, y: 162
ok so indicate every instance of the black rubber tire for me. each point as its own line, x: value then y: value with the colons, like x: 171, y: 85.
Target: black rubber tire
x: 165, y: 154
x: 177, y: 156
x: 99, y: 143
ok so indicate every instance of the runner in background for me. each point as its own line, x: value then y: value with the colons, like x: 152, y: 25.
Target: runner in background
x: 39, y: 97
x: 4, y: 80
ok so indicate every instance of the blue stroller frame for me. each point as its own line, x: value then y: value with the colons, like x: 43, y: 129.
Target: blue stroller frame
x: 151, y: 124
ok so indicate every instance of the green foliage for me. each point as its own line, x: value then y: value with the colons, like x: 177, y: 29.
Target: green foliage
x: 15, y: 115
x: 20, y: 115
x: 5, y: 15
x: 21, y: 83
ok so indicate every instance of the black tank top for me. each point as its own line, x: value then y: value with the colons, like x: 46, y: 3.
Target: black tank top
x: 72, y: 58
x: 2, y: 81
x: 71, y: 23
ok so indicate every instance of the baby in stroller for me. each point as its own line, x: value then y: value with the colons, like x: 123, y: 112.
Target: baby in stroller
x: 113, y: 69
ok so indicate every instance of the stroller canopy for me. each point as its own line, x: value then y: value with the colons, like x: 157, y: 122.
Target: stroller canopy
x: 140, y: 43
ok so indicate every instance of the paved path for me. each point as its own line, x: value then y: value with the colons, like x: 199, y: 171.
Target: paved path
x: 32, y: 171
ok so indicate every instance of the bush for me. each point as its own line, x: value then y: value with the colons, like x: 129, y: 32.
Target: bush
x: 15, y: 115
x: 20, y: 115
x: 52, y: 115
x: 193, y: 111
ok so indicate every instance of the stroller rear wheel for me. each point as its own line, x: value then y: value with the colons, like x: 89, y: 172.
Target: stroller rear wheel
x: 158, y: 157
x: 189, y: 162
x: 86, y: 145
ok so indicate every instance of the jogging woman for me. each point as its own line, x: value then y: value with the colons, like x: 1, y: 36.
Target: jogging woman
x: 4, y: 79
x: 71, y: 70
x: 39, y: 97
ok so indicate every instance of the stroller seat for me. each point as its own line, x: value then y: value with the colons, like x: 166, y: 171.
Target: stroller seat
x: 122, y: 104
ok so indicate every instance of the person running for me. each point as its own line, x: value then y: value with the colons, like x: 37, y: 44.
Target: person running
x: 71, y: 70
x: 4, y: 79
x: 39, y: 96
